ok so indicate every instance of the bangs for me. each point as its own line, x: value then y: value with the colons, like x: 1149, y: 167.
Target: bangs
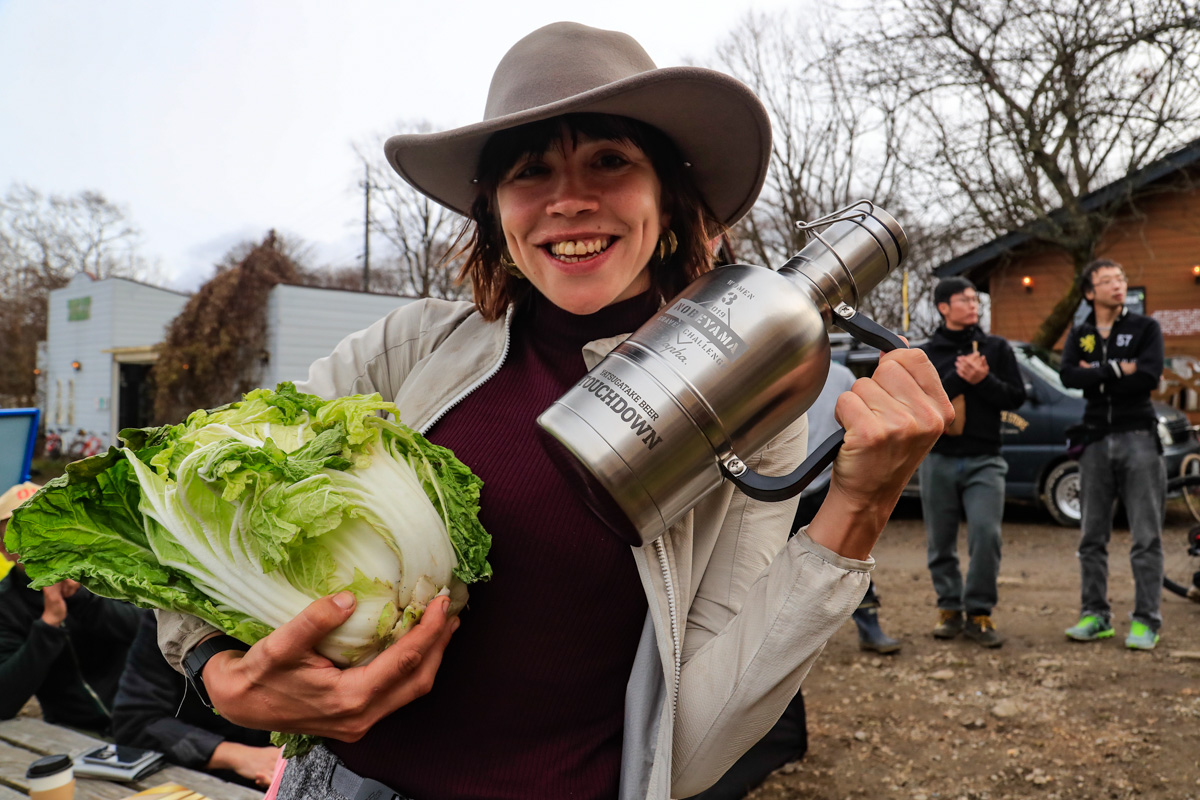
x: 507, y: 147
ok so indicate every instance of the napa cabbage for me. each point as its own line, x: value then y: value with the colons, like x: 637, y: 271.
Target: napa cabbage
x: 244, y: 514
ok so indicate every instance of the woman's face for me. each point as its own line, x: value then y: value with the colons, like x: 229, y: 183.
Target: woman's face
x: 582, y: 221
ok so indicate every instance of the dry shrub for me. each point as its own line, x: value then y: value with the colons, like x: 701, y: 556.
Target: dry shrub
x: 215, y: 348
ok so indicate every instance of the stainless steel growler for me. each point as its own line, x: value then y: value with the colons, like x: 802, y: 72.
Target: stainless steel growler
x: 739, y: 355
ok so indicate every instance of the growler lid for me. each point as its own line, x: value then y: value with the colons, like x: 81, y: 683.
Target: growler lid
x: 49, y: 765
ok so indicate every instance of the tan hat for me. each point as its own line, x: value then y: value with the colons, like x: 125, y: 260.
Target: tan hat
x: 718, y: 124
x: 15, y: 496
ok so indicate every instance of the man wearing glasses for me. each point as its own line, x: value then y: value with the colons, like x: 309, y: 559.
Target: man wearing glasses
x: 964, y: 474
x: 1116, y: 358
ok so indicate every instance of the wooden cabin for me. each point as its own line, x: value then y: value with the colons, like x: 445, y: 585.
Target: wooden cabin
x: 1157, y: 240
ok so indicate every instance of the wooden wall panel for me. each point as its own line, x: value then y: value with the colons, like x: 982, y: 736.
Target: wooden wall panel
x: 1158, y: 246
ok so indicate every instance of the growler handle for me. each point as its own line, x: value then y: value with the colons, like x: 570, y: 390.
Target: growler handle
x: 784, y: 487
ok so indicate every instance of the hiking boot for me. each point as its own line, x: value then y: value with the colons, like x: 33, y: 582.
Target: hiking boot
x: 870, y: 636
x: 1141, y: 637
x: 950, y: 624
x: 1090, y: 628
x: 980, y: 628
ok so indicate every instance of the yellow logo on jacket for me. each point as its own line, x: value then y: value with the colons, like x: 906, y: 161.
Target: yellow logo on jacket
x: 1088, y: 343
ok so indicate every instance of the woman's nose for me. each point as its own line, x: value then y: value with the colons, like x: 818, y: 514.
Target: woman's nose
x: 571, y: 195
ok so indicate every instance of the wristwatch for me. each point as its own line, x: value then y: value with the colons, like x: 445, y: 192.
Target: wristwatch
x: 193, y: 662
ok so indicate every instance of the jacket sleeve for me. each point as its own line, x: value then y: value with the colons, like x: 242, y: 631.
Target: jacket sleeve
x: 1074, y: 376
x: 146, y: 703
x: 178, y: 634
x: 25, y: 659
x: 763, y: 611
x: 1003, y: 388
x: 1149, y: 364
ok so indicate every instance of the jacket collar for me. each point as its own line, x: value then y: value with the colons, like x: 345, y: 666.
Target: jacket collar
x: 1091, y: 317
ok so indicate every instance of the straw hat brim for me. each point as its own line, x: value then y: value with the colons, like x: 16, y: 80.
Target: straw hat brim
x: 718, y: 124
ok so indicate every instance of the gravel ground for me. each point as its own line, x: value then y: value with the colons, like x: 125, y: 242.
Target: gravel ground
x: 1041, y: 717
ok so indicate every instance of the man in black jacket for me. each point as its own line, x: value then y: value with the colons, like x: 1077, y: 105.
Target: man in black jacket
x: 63, y: 644
x: 964, y: 473
x: 1116, y: 357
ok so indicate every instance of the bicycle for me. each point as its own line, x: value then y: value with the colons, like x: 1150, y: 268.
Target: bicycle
x: 1188, y: 484
x: 84, y: 445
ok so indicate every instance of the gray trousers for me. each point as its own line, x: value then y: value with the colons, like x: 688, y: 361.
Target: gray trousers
x: 1128, y: 466
x: 953, y: 487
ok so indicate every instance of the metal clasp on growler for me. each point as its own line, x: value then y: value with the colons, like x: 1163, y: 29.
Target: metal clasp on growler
x: 677, y: 408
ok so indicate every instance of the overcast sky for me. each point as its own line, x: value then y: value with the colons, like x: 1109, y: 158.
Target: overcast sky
x: 212, y: 122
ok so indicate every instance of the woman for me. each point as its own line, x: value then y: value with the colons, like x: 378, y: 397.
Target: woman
x: 594, y: 186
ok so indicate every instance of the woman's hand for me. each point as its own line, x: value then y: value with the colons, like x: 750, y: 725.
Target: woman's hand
x: 892, y: 420
x: 283, y: 684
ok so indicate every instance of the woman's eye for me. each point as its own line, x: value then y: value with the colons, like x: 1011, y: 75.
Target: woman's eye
x: 612, y: 160
x: 529, y: 170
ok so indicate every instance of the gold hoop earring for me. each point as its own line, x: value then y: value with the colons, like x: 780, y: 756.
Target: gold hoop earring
x: 667, y: 245
x: 510, y: 266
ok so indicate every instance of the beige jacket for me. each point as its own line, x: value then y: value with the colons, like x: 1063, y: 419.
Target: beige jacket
x: 737, y: 613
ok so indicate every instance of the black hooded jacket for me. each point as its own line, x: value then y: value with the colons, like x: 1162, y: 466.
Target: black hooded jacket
x: 981, y: 404
x: 1116, y: 402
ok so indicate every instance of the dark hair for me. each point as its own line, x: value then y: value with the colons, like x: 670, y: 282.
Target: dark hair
x: 948, y: 287
x: 1085, y: 276
x: 692, y: 222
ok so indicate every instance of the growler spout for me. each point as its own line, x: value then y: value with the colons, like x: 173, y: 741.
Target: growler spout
x: 860, y: 247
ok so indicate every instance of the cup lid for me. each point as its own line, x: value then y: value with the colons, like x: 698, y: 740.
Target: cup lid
x: 49, y: 765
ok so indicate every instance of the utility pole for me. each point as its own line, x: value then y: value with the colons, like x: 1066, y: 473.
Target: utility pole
x: 366, y: 184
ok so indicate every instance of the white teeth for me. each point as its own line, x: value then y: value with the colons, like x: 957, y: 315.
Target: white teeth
x: 579, y: 247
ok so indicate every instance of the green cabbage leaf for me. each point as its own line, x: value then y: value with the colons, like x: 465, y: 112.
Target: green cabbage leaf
x: 245, y: 514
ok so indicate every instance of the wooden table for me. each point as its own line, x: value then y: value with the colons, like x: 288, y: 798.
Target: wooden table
x: 25, y: 739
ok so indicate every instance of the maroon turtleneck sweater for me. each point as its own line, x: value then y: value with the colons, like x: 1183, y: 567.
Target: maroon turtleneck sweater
x: 529, y: 700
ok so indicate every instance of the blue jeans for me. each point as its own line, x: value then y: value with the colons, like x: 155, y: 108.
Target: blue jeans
x: 951, y: 487
x: 1125, y: 465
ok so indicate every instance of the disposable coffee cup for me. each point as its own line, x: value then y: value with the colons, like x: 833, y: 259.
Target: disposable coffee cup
x: 51, y: 778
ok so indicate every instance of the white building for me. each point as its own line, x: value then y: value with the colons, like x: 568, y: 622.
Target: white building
x: 103, y: 336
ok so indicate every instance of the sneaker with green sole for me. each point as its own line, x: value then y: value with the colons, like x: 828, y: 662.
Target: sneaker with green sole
x: 1090, y: 629
x: 1141, y: 637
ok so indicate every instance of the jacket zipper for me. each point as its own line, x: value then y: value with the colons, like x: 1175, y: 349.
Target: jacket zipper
x: 1104, y: 365
x: 508, y: 317
x: 677, y: 653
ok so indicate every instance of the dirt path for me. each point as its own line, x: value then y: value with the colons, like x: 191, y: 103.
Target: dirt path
x: 1041, y: 717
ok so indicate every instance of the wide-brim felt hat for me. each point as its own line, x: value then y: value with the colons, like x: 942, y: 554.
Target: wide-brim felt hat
x: 719, y: 125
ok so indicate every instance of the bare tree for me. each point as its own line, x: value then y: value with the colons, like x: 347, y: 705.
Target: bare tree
x: 44, y: 241
x: 420, y: 234
x: 834, y: 142
x: 1028, y: 106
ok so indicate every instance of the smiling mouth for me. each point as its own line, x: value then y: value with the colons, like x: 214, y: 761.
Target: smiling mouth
x: 573, y: 250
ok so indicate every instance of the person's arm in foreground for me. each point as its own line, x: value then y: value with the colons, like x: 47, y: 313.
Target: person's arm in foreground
x: 27, y: 653
x: 745, y: 660
x: 283, y: 684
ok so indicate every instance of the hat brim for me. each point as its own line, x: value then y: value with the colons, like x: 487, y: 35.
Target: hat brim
x: 718, y: 124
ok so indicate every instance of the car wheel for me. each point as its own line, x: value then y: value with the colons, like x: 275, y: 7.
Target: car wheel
x: 1060, y: 494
